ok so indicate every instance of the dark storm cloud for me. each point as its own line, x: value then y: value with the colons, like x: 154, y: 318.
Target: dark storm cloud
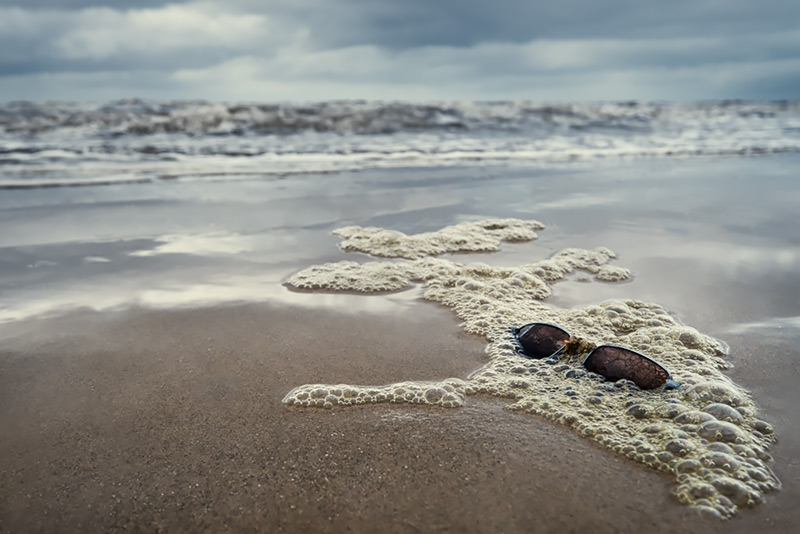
x: 414, y: 23
x: 444, y: 49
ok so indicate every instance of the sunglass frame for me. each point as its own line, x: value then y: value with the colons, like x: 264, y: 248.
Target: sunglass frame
x: 670, y: 383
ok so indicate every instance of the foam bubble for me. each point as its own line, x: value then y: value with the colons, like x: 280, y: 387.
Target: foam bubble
x: 706, y: 435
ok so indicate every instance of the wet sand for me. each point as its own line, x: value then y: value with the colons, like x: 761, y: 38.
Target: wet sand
x: 170, y: 419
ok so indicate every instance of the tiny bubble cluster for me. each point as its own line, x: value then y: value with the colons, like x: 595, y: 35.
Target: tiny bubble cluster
x: 447, y: 393
x: 707, y: 435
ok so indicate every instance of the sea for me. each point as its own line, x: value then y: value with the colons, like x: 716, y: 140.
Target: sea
x: 133, y: 202
x: 114, y: 208
x: 55, y: 144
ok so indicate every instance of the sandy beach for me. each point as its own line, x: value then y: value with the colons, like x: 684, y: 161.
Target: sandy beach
x: 143, y: 392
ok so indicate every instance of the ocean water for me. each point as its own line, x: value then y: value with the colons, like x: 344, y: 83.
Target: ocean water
x: 59, y: 144
x: 164, y: 205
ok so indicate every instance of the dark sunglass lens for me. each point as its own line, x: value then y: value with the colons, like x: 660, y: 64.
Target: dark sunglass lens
x: 539, y: 340
x: 616, y: 363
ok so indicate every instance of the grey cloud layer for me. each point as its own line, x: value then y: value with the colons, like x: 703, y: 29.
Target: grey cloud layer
x: 169, y: 37
x: 413, y: 23
x: 318, y: 49
x: 79, y: 4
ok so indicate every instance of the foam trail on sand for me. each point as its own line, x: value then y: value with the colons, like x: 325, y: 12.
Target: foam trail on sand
x: 707, y: 435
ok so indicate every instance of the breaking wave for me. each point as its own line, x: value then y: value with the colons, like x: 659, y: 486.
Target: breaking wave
x: 138, y: 117
x: 57, y: 143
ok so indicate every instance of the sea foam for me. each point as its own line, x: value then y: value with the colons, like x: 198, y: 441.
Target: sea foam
x: 706, y: 435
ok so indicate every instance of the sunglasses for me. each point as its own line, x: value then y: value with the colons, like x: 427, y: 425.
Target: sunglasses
x: 545, y: 340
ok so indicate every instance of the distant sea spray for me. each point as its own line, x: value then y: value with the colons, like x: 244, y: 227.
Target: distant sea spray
x: 42, y: 144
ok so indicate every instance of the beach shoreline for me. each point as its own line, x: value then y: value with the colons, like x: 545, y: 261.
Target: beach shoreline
x: 171, y: 420
x: 166, y: 415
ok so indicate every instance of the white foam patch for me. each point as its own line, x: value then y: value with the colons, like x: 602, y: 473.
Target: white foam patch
x: 706, y: 435
x: 448, y: 393
x: 481, y: 236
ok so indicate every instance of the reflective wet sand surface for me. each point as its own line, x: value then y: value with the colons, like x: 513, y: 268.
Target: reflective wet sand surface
x: 169, y: 415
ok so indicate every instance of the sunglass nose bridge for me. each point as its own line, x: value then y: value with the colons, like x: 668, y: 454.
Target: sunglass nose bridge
x: 671, y: 384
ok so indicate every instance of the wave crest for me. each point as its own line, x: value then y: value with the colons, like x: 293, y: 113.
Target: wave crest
x: 140, y: 117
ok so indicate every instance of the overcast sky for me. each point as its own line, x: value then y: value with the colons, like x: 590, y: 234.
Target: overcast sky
x: 310, y: 50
